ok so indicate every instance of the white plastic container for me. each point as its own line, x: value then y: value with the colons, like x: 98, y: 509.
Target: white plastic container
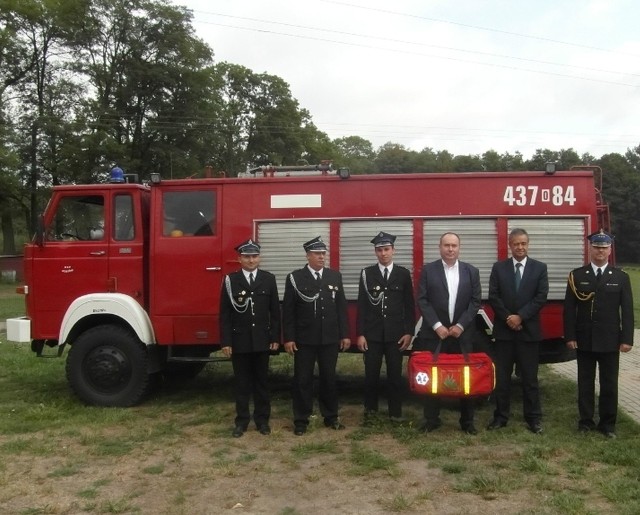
x: 19, y: 330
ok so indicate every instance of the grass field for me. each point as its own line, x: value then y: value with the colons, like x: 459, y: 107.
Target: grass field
x: 174, y: 453
x: 11, y: 304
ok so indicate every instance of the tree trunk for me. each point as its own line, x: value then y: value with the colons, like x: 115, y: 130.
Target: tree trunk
x: 8, y: 235
x: 33, y: 180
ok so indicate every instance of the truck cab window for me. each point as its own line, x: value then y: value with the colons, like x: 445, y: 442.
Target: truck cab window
x: 78, y: 218
x: 123, y: 226
x: 189, y: 213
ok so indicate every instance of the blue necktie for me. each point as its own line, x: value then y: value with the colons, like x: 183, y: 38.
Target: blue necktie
x: 518, y: 275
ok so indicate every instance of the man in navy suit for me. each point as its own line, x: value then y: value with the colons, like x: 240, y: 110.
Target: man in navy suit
x: 316, y: 328
x: 598, y: 323
x: 249, y: 329
x: 518, y: 289
x: 386, y: 321
x: 449, y: 297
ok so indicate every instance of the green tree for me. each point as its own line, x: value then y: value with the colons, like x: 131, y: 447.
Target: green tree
x: 564, y: 159
x: 492, y: 161
x: 621, y: 191
x: 541, y: 157
x: 424, y: 161
x: 260, y: 123
x: 10, y: 188
x: 39, y: 30
x: 467, y: 163
x: 393, y: 158
x: 355, y: 153
x: 276, y: 135
x: 153, y: 90
x: 318, y: 146
x: 513, y: 162
x: 444, y: 161
x: 568, y: 158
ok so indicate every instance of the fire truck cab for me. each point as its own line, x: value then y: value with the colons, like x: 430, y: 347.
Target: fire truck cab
x: 129, y: 275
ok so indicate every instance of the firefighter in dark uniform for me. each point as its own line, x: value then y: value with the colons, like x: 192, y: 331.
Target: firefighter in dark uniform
x: 249, y: 329
x: 385, y: 324
x: 315, y: 328
x: 598, y: 323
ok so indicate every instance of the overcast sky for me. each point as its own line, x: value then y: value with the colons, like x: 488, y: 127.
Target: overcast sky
x: 465, y: 76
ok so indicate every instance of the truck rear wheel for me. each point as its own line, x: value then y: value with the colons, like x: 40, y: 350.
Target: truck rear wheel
x: 108, y: 366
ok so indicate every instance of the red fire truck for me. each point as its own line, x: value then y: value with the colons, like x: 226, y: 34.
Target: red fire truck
x: 128, y: 275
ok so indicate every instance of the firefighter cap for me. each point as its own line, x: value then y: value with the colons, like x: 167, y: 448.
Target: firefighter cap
x: 383, y: 239
x: 315, y: 245
x: 248, y: 248
x: 600, y: 239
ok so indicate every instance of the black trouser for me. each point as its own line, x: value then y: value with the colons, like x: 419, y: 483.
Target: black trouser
x: 251, y: 372
x: 526, y: 356
x: 304, y: 362
x: 432, y: 411
x: 608, y: 367
x: 395, y: 384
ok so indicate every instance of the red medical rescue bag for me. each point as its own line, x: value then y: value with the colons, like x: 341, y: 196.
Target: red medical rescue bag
x: 451, y: 375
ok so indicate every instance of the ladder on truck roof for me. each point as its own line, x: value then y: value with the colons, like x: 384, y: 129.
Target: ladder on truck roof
x: 324, y: 168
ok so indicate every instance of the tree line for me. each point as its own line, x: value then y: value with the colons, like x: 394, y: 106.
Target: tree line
x: 89, y: 84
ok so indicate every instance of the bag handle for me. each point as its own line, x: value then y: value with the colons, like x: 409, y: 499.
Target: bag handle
x: 436, y: 353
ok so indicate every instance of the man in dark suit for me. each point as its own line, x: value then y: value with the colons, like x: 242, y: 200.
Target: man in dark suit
x: 518, y: 289
x: 385, y: 324
x: 249, y: 329
x: 598, y: 323
x: 316, y: 327
x: 449, y: 297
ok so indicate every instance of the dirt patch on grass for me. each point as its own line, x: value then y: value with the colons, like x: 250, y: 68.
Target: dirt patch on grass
x: 203, y: 470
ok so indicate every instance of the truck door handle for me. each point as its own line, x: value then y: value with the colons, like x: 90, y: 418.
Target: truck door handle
x: 213, y: 268
x: 97, y: 253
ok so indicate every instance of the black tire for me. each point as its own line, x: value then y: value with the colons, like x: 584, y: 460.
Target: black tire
x: 108, y: 366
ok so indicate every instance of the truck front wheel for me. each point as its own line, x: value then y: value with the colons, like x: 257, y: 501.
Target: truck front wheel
x: 108, y: 366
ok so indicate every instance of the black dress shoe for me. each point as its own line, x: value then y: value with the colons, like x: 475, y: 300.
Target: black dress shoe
x: 238, y: 431
x: 535, y: 428
x: 582, y: 429
x: 264, y: 429
x: 299, y: 430
x: 429, y: 427
x: 496, y: 424
x: 333, y: 424
x: 608, y: 433
x: 470, y: 430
